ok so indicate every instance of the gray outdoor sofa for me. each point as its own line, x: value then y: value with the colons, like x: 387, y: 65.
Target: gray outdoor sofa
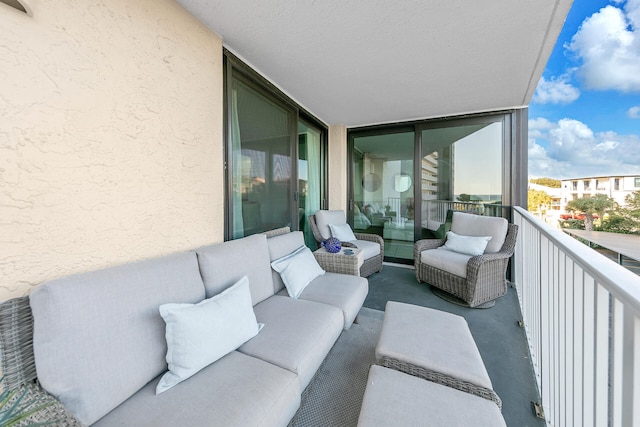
x: 99, y: 340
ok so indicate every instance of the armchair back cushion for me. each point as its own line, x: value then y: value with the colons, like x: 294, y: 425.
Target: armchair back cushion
x: 324, y: 218
x: 476, y: 225
x: 98, y: 336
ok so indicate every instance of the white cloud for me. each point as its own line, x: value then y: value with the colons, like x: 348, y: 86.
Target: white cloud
x: 555, y: 91
x: 569, y: 148
x: 537, y: 127
x: 634, y: 112
x: 608, y: 43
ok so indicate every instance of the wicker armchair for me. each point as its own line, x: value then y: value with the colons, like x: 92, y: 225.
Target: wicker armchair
x: 18, y: 366
x: 371, y: 265
x: 485, y: 278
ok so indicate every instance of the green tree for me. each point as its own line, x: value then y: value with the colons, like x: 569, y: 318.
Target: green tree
x: 632, y: 203
x: 547, y: 182
x: 624, y: 219
x: 588, y: 206
x: 536, y: 199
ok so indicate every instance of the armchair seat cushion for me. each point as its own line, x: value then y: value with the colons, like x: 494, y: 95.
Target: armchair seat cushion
x: 369, y: 249
x: 444, y: 259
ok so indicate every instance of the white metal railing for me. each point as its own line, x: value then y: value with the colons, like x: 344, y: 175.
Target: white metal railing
x: 581, y: 313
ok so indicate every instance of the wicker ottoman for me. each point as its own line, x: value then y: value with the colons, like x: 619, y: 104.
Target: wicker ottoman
x: 394, y: 398
x: 433, y: 345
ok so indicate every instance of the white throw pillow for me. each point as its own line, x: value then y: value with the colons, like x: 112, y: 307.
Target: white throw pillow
x: 342, y: 232
x: 199, y: 334
x: 297, y: 270
x: 468, y: 245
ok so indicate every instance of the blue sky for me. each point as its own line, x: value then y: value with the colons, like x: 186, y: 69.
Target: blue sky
x: 584, y: 119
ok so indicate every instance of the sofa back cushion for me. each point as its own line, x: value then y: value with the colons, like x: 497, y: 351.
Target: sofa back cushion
x: 223, y: 264
x: 99, y: 337
x: 280, y: 246
x: 324, y: 218
x: 476, y: 225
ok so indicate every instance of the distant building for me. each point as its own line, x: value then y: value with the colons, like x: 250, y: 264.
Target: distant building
x: 617, y: 187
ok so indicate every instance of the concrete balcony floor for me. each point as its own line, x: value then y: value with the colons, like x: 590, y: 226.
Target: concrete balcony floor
x: 502, y: 343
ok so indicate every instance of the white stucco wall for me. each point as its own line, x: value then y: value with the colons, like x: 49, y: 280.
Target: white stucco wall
x: 110, y: 136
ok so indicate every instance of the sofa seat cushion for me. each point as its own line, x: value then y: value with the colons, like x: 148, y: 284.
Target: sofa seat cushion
x: 237, y: 390
x: 297, y: 334
x: 339, y: 290
x: 98, y: 336
x: 369, y: 249
x: 444, y: 259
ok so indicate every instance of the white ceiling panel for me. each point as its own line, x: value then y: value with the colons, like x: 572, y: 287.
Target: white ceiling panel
x: 359, y: 62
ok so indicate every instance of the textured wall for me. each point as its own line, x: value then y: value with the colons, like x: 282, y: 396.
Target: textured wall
x: 110, y: 136
x: 338, y: 167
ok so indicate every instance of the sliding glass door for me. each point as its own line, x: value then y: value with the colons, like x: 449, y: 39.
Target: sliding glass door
x: 383, y: 190
x: 274, y: 157
x: 405, y: 179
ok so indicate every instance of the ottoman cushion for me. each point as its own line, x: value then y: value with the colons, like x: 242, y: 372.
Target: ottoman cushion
x: 431, y: 339
x: 393, y: 398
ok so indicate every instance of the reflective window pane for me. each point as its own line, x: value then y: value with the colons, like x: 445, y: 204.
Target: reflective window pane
x: 261, y: 162
x: 309, y: 177
x: 384, y: 191
x: 461, y: 170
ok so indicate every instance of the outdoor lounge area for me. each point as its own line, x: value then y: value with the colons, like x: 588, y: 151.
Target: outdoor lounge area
x: 155, y: 153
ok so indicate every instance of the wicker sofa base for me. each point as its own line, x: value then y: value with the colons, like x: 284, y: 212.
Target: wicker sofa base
x: 19, y: 369
x: 51, y: 411
x: 437, y: 377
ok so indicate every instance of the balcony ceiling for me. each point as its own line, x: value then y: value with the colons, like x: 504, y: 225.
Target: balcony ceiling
x: 360, y: 62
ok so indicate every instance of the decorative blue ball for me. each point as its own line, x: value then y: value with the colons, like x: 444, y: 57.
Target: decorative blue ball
x: 332, y: 245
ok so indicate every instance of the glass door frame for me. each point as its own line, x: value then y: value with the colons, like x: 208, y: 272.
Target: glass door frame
x: 234, y: 67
